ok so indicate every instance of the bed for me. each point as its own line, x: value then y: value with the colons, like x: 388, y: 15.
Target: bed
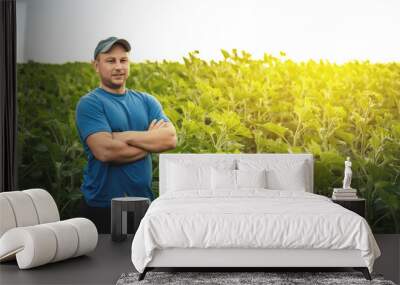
x: 247, y: 210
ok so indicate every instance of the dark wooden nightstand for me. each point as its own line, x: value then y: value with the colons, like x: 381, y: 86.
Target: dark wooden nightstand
x: 355, y: 205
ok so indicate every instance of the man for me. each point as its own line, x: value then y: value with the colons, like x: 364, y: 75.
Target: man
x: 118, y: 128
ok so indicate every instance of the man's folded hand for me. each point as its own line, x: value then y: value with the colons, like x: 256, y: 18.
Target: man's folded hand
x: 157, y: 124
x: 154, y: 125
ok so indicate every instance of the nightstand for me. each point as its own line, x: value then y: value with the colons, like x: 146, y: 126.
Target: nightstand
x: 355, y: 205
x: 119, y: 209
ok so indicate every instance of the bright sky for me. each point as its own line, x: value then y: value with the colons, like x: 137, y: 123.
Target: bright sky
x: 337, y: 30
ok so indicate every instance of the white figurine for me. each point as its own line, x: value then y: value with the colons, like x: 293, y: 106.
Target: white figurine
x: 347, y: 174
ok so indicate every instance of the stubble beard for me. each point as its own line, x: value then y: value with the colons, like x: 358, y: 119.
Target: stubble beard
x: 111, y: 85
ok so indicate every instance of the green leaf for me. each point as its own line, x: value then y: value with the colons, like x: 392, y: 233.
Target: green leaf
x: 41, y: 148
x: 276, y: 129
x: 225, y: 54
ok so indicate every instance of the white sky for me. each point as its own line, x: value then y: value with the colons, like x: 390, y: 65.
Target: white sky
x: 68, y: 30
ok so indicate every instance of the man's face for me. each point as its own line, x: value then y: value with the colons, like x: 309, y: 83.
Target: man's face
x: 113, y: 67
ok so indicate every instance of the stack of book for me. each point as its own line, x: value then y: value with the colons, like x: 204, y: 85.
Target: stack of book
x: 344, y: 194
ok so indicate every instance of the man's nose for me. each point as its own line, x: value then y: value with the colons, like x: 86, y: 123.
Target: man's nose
x: 118, y: 65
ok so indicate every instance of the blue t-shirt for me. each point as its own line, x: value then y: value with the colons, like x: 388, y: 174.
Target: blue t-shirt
x: 102, y: 111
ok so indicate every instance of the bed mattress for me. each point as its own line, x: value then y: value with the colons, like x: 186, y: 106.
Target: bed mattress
x: 250, y: 219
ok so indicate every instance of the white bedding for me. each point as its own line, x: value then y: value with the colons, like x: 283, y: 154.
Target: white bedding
x: 251, y: 218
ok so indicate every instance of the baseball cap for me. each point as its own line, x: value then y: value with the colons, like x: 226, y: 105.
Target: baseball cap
x: 106, y: 45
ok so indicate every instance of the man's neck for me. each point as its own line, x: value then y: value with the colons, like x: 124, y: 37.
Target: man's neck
x: 120, y: 90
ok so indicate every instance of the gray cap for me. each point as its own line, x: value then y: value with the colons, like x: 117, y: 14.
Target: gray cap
x: 106, y: 45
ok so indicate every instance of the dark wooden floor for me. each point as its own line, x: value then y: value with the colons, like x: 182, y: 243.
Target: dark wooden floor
x: 110, y: 260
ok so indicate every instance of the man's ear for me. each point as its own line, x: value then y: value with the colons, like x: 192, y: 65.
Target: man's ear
x: 95, y: 64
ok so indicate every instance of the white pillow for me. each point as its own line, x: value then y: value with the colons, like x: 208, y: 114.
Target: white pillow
x: 180, y: 172
x: 223, y: 179
x: 251, y: 178
x: 293, y: 179
x: 282, y: 174
x: 182, y: 177
x: 227, y: 179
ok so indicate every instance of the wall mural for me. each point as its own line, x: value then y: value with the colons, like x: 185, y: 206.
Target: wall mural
x: 235, y: 105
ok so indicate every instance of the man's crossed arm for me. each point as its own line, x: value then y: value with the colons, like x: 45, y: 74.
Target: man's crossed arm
x: 129, y: 146
x: 161, y: 136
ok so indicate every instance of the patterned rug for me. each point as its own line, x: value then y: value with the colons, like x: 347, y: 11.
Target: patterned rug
x: 243, y: 278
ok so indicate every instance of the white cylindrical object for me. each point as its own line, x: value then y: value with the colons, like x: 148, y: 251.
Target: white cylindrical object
x: 7, y: 218
x: 45, y: 205
x: 23, y: 207
x: 67, y: 239
x: 34, y: 246
x: 87, y: 234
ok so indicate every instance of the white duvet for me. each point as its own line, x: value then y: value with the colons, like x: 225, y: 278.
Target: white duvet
x: 252, y: 218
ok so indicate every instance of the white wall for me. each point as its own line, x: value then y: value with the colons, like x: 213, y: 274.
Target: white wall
x: 21, y: 26
x: 58, y: 31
